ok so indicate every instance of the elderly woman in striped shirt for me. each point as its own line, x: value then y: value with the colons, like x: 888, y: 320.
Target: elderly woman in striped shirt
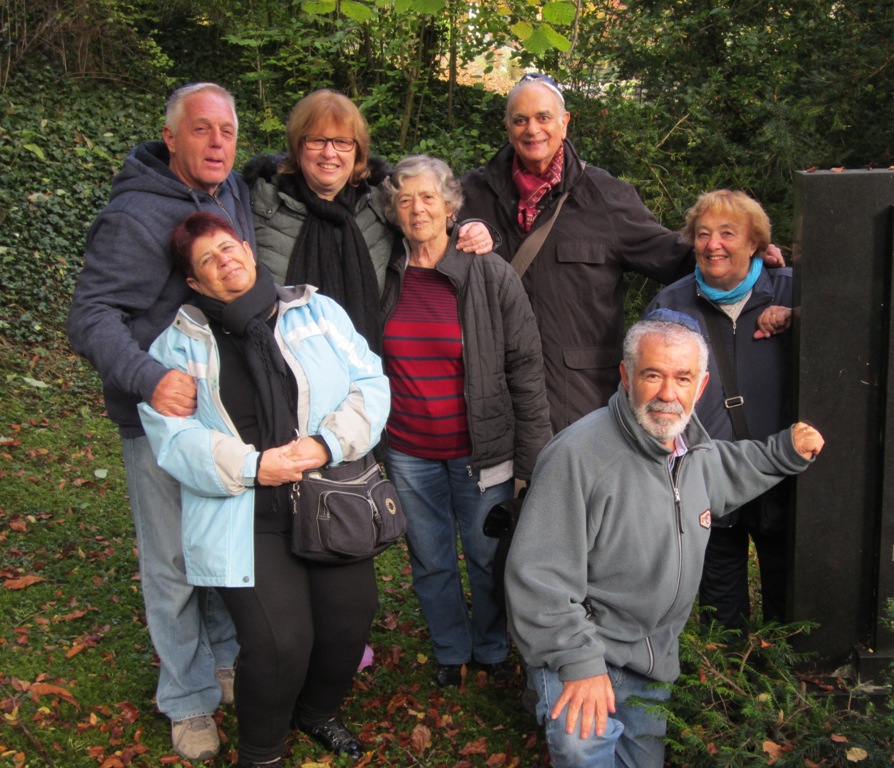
x: 468, y: 411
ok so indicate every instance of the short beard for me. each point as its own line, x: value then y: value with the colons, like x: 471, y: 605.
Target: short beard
x: 661, y: 431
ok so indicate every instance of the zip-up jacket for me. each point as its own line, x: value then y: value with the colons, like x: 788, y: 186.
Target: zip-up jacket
x: 761, y: 365
x: 129, y: 289
x: 576, y: 282
x: 343, y: 396
x: 506, y: 406
x: 607, y: 557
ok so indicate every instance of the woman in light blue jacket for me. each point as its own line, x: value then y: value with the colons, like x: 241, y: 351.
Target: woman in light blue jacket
x: 284, y: 384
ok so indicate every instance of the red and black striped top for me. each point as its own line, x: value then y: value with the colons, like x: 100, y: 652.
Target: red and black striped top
x: 424, y: 361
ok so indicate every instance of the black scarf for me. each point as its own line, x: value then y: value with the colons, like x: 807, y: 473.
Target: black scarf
x: 345, y: 273
x: 275, y: 389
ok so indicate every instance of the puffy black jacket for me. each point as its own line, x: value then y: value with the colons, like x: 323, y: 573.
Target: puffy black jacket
x: 507, y: 410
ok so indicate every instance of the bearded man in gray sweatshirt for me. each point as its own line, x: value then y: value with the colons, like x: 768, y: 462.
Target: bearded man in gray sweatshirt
x: 606, y: 560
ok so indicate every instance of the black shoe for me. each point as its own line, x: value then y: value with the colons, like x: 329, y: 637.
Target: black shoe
x: 449, y: 675
x: 498, y: 670
x: 335, y: 737
x: 274, y: 764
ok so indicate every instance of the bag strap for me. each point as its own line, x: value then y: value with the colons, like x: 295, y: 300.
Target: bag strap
x: 733, y: 401
x: 532, y: 243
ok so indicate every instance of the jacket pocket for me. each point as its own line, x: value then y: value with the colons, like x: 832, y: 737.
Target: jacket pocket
x: 580, y: 252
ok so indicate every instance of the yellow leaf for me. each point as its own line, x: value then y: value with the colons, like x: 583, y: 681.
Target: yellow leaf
x: 856, y: 754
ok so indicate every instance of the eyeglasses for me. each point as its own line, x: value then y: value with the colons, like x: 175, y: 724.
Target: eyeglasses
x: 340, y: 143
x: 538, y: 77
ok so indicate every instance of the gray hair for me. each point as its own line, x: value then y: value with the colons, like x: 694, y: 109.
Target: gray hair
x: 176, y: 101
x: 671, y: 333
x: 416, y: 165
x: 528, y: 81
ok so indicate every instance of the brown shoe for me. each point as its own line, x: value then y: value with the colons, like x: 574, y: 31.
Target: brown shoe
x: 195, y: 738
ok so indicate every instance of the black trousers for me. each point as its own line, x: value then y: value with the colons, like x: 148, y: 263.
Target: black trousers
x: 302, y: 630
x: 724, y: 582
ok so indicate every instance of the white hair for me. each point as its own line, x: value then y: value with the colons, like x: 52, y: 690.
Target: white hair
x: 176, y: 102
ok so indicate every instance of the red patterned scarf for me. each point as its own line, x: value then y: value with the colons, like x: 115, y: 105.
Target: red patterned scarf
x: 531, y: 188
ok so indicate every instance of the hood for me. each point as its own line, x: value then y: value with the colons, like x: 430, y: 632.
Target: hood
x: 146, y: 170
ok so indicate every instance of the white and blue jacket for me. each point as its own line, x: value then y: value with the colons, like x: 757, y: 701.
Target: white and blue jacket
x: 343, y: 397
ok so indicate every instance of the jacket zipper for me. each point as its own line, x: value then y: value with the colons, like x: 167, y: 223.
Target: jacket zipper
x: 673, y: 476
x: 460, y: 301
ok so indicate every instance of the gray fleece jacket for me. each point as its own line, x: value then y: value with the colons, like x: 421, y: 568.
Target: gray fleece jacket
x: 606, y: 560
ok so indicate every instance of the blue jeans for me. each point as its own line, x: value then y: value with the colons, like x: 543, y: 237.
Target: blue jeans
x: 633, y: 738
x: 189, y: 626
x: 441, y: 498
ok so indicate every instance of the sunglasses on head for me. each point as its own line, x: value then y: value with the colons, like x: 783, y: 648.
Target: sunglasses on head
x: 538, y: 77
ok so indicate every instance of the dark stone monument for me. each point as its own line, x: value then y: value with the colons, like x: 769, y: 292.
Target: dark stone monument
x: 843, y: 536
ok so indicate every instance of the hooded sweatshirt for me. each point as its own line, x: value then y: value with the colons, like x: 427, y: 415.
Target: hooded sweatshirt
x: 129, y: 290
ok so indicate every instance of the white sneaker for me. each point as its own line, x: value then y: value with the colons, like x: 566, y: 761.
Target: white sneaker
x: 195, y: 738
x: 226, y: 676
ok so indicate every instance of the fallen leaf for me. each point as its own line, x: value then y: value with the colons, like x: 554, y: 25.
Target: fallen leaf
x: 421, y: 739
x: 47, y: 689
x: 22, y: 582
x: 856, y: 754
x: 74, y: 651
x: 18, y: 523
x: 773, y: 750
x: 477, y: 747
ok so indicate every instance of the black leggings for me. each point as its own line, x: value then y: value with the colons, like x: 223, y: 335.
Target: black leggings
x: 302, y: 630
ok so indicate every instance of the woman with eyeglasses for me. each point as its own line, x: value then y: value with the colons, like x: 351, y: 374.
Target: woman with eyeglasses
x: 319, y: 214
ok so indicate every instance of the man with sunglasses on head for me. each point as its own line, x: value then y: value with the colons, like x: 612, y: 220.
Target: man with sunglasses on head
x: 598, y: 228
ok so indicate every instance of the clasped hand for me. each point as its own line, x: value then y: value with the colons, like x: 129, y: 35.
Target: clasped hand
x: 289, y: 462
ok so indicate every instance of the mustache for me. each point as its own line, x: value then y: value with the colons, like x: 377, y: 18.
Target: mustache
x: 658, y: 406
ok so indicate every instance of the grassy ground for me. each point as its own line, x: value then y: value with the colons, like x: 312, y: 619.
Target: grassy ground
x: 78, y: 673
x: 77, y: 669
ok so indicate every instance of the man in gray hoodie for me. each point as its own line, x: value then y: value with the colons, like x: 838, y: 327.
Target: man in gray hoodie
x: 606, y: 560
x: 127, y: 294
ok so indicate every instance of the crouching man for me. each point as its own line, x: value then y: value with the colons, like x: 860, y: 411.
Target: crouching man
x: 607, y: 558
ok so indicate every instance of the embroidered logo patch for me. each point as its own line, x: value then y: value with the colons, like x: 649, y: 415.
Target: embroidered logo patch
x: 704, y: 519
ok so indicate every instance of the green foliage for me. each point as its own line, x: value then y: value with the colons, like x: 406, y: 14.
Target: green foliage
x: 58, y: 152
x: 88, y: 38
x: 705, y: 94
x: 742, y: 702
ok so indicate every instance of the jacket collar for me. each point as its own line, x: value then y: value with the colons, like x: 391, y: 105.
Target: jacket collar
x: 197, y: 327
x: 695, y: 435
x: 498, y: 171
x: 761, y: 293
